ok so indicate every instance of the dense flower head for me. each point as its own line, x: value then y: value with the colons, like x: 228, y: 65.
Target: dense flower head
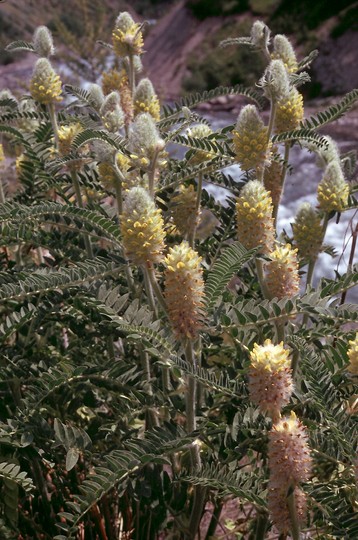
x: 250, y: 139
x: 254, y: 217
x: 282, y: 277
x: 260, y: 34
x: 183, y: 210
x: 270, y: 377
x: 45, y: 85
x: 184, y: 290
x: 146, y: 100
x: 43, y: 42
x: 142, y: 228
x: 114, y: 80
x: 127, y: 37
x: 307, y: 232
x: 275, y: 82
x: 277, y: 503
x: 111, y: 112
x: 333, y: 190
x: 353, y: 356
x: 283, y: 50
x: 107, y: 174
x: 273, y: 180
x: 289, y: 456
x: 66, y: 134
x: 289, y: 111
x: 143, y: 139
x: 200, y: 131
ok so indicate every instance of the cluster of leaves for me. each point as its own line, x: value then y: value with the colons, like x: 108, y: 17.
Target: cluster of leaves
x: 91, y: 433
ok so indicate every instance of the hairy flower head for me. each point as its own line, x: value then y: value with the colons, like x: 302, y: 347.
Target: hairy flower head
x: 43, y: 42
x: 144, y: 141
x: 254, y: 217
x: 277, y: 503
x: 200, y: 131
x: 45, y: 85
x: 183, y: 210
x: 142, y: 228
x: 282, y: 277
x: 127, y: 37
x: 353, y: 356
x: 111, y: 112
x: 270, y: 377
x: 307, y: 232
x: 184, y: 290
x: 333, y: 190
x: 66, y: 134
x: 289, y: 111
x: 114, y: 80
x: 273, y: 180
x: 250, y: 139
x: 146, y: 100
x: 283, y: 50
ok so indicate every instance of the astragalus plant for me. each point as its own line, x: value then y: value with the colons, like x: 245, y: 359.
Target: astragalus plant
x: 165, y: 357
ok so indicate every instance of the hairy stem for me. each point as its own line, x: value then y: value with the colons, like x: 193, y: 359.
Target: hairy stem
x: 261, y: 277
x: 197, y: 208
x: 282, y: 180
x: 77, y: 189
x: 53, y: 119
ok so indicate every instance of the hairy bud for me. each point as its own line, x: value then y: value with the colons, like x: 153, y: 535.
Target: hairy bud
x: 146, y: 100
x: 127, y: 37
x: 184, y: 290
x: 45, y: 85
x: 333, y: 190
x: 255, y: 226
x: 275, y: 82
x: 144, y: 141
x: 270, y: 377
x: 283, y: 50
x: 289, y: 112
x: 200, y: 131
x: 142, y: 228
x: 183, y: 210
x: 260, y: 35
x: 111, y: 112
x: 43, y: 42
x: 96, y: 96
x: 282, y: 277
x: 308, y: 232
x: 250, y: 140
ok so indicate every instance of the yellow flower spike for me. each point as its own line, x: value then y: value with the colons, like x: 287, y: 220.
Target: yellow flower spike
x: 307, y: 232
x: 126, y: 37
x: 142, y: 220
x: 200, y: 131
x: 45, y: 85
x: 270, y: 377
x: 66, y: 134
x: 255, y: 224
x: 145, y: 100
x: 353, y: 356
x: 289, y: 112
x: 184, y: 290
x: 283, y: 50
x: 183, y: 210
x: 333, y: 190
x: 282, y: 277
x: 250, y: 133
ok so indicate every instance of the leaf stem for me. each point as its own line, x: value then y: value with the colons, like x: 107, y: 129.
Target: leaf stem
x: 77, y: 189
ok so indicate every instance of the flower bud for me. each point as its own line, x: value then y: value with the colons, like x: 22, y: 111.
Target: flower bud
x: 114, y: 80
x: 143, y: 139
x: 353, y: 356
x: 145, y: 100
x: 333, y: 190
x: 260, y: 35
x: 45, y: 85
x: 250, y: 140
x: 282, y: 277
x: 142, y: 228
x: 283, y: 50
x: 289, y: 112
x: 184, y: 290
x: 308, y: 232
x: 327, y: 153
x: 255, y: 226
x: 183, y: 210
x: 288, y: 452
x: 127, y: 37
x: 43, y: 42
x: 270, y: 377
x: 111, y: 112
x: 200, y: 131
x: 275, y: 82
x: 96, y: 96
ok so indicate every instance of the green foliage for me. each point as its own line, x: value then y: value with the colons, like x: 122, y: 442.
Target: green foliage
x: 112, y: 422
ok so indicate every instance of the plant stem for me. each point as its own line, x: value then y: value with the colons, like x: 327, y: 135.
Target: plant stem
x: 261, y: 277
x: 295, y: 528
x: 197, y: 209
x: 282, y: 180
x: 156, y: 288
x: 151, y: 173
x: 149, y: 291
x: 53, y: 119
x: 351, y: 258
x: 272, y: 119
x: 2, y: 194
x: 131, y: 74
x: 77, y: 189
x: 261, y: 526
